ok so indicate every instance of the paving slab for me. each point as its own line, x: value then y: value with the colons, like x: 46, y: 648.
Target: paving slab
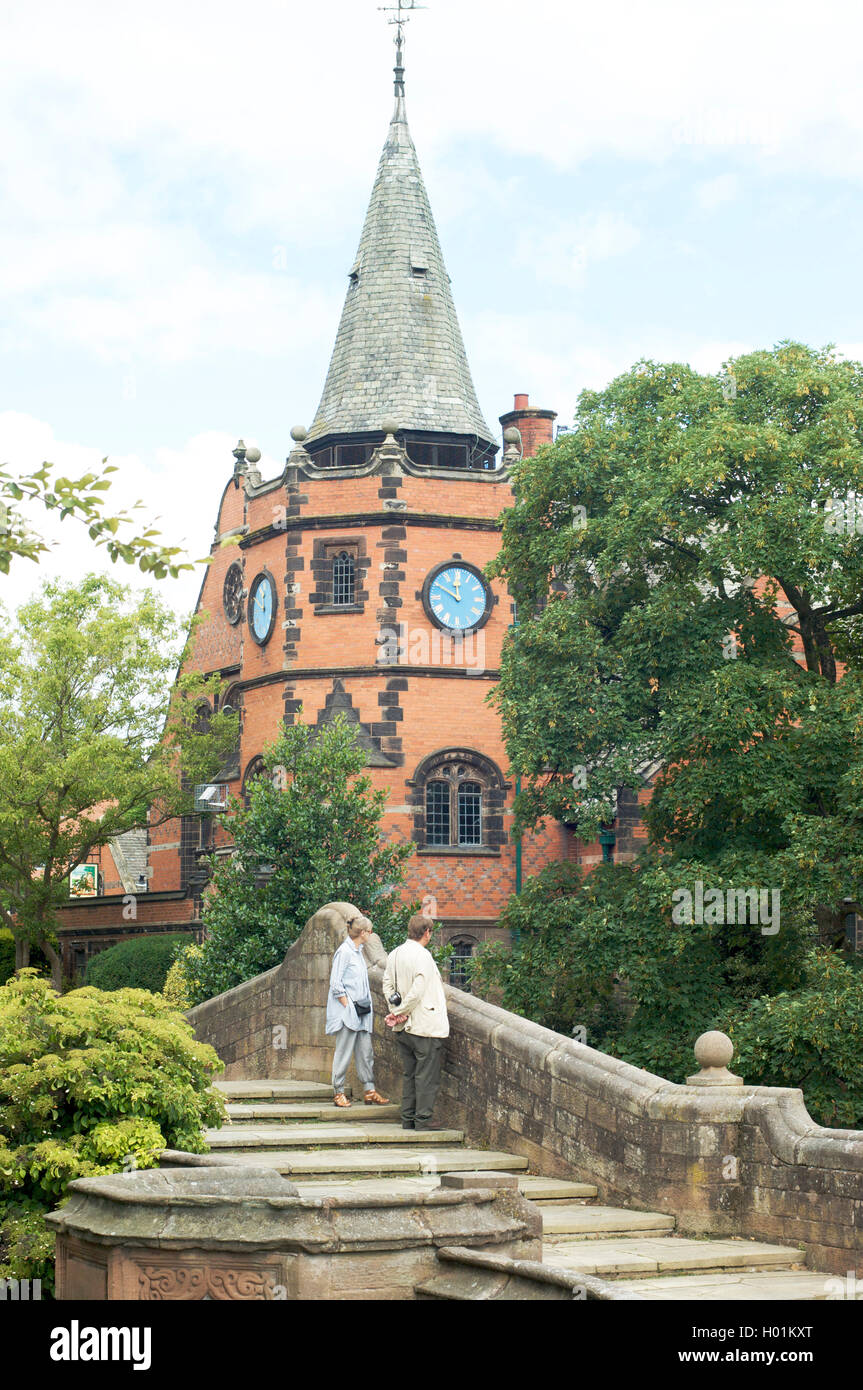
x: 395, y: 1186
x: 646, y: 1255
x: 311, y: 1111
x: 368, y: 1160
x: 314, y: 1136
x: 776, y: 1286
x: 276, y: 1090
x: 565, y: 1219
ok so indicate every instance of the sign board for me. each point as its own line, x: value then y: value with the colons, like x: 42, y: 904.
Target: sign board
x: 84, y: 881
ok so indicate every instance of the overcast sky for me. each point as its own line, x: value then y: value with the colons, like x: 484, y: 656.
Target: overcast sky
x: 184, y: 184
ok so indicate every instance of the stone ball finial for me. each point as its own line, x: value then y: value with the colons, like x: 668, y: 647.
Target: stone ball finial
x: 714, y: 1049
x: 389, y: 426
x: 299, y: 433
x: 253, y: 455
x: 511, y: 435
x: 713, y: 1052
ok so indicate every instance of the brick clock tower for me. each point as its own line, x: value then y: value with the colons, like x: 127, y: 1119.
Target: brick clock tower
x: 356, y: 583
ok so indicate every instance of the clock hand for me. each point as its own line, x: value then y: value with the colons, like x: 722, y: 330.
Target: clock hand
x: 445, y: 590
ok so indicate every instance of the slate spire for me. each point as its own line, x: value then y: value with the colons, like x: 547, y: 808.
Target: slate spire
x: 399, y: 352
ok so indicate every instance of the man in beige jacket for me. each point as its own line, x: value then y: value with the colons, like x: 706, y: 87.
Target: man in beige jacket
x: 419, y: 1021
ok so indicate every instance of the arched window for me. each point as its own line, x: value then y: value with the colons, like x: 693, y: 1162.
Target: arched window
x: 458, y: 796
x: 344, y: 579
x: 253, y: 772
x: 232, y: 703
x: 459, y: 963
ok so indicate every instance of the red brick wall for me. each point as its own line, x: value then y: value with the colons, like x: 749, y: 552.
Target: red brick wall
x: 413, y: 712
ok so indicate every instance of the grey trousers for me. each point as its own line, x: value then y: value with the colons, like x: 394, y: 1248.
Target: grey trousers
x: 421, y: 1064
x: 357, y: 1044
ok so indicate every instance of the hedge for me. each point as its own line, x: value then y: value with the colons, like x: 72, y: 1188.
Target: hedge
x: 141, y: 963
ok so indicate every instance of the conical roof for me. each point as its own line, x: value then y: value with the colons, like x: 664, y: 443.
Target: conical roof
x: 399, y: 352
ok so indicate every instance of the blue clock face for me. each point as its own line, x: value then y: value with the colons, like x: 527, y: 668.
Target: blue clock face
x: 457, y: 598
x: 262, y: 603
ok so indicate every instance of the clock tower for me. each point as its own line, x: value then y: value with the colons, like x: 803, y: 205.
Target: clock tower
x: 357, y: 582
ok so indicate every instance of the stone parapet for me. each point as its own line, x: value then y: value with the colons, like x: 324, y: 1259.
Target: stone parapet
x: 724, y: 1159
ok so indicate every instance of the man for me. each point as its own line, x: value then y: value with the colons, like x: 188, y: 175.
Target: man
x: 419, y: 1021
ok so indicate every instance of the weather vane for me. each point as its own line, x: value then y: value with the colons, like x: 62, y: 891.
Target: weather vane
x: 402, y: 11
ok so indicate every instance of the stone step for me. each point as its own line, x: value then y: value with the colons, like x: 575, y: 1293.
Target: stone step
x: 474, y: 1276
x: 806, y: 1286
x: 276, y: 1090
x: 529, y: 1185
x: 665, y: 1254
x: 344, y: 1134
x: 370, y: 1161
x: 311, y: 1110
x: 561, y: 1218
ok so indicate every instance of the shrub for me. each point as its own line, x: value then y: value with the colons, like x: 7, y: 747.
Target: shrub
x: 95, y: 1082
x: 181, y: 980
x: 811, y: 1037
x: 26, y: 1246
x: 142, y: 963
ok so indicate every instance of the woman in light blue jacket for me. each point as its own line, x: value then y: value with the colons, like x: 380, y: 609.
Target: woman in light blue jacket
x: 349, y: 1014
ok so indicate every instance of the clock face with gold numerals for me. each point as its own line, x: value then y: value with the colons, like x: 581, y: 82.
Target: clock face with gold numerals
x: 456, y: 597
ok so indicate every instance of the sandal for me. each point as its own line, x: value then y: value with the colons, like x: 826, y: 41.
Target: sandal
x: 341, y: 1100
x: 374, y: 1098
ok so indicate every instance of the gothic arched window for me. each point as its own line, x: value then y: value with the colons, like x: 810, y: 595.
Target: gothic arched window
x: 459, y: 963
x: 458, y: 798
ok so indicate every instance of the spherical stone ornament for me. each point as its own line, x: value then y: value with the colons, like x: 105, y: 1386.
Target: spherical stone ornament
x: 511, y: 435
x: 389, y: 426
x: 253, y: 455
x: 713, y: 1052
x: 714, y: 1049
x: 299, y: 433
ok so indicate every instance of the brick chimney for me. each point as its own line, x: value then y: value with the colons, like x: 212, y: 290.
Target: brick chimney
x: 536, y: 426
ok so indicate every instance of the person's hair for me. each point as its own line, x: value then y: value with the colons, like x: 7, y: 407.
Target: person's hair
x: 418, y: 926
x: 358, y: 926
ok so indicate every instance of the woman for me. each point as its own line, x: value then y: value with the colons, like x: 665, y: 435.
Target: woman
x: 349, y: 1014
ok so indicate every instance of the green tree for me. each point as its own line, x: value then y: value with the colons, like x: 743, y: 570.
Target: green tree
x: 313, y: 826
x: 688, y: 571
x: 657, y: 623
x: 83, y: 499
x: 96, y: 739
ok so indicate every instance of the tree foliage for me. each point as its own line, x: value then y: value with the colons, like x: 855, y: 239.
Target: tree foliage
x: 811, y: 1037
x: 95, y: 735
x: 90, y: 1083
x: 82, y: 499
x: 656, y: 625
x: 688, y: 572
x: 314, y: 820
x: 597, y: 955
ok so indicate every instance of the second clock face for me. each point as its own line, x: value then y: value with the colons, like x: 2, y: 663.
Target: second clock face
x: 457, y: 598
x: 262, y: 608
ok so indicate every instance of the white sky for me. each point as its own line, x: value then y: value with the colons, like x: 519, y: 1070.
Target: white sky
x: 183, y: 187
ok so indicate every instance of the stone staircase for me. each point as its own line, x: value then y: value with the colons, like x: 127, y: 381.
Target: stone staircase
x: 293, y: 1127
